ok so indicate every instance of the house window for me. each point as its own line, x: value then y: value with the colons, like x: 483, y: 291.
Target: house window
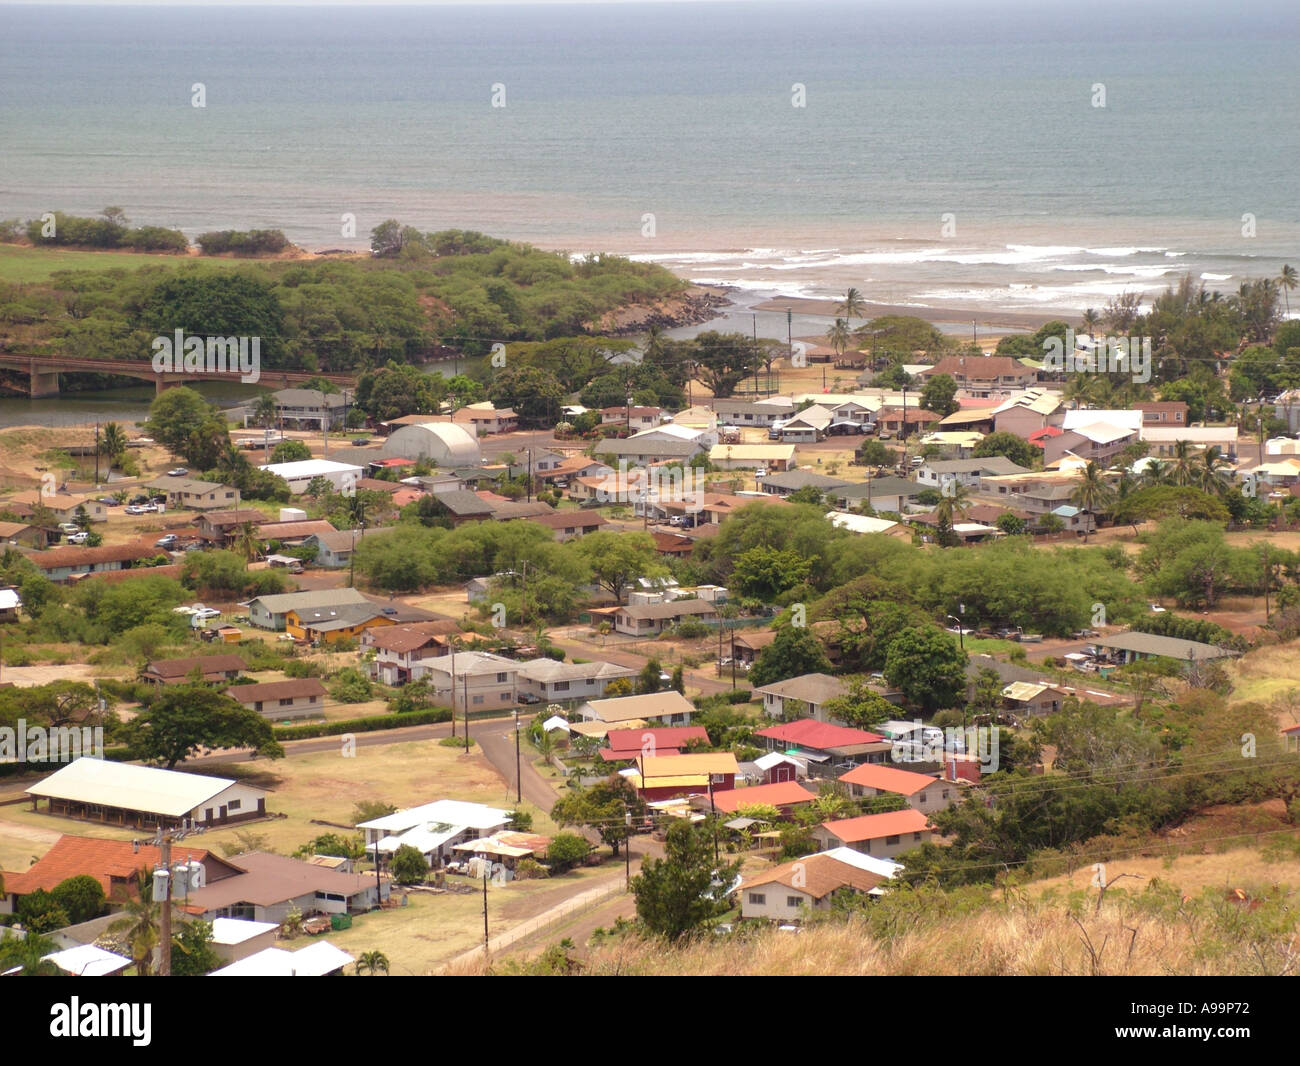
x: 916, y: 836
x: 501, y: 679
x: 286, y: 703
x: 478, y: 699
x: 233, y: 805
x: 793, y: 902
x: 757, y: 898
x: 945, y: 793
x: 505, y: 697
x: 891, y: 840
x: 561, y: 686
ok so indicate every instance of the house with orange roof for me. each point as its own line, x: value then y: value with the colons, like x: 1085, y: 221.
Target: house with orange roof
x: 880, y: 835
x: 115, y: 864
x: 922, y: 792
x: 785, y: 796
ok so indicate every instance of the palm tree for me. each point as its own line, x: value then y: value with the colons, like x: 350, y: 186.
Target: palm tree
x: 372, y: 962
x: 1156, y: 472
x: 852, y: 305
x: 246, y: 544
x: 1211, y: 473
x: 1091, y: 320
x: 112, y: 442
x: 140, y: 922
x: 839, y: 335
x: 954, y: 502
x: 1180, y: 472
x: 1092, y: 495
x: 1288, y: 279
x: 1079, y: 389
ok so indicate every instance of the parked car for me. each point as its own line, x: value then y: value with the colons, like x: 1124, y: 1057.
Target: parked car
x: 1157, y: 609
x: 360, y: 442
x: 136, y: 501
x: 178, y: 471
x: 199, y: 611
x: 107, y: 501
x: 169, y: 541
x: 194, y: 546
x: 68, y: 528
x: 529, y: 698
x: 79, y: 538
x: 135, y: 509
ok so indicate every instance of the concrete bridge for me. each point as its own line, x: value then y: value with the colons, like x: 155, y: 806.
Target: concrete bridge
x: 44, y: 371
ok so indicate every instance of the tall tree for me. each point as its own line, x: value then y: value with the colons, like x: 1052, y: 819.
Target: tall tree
x: 184, y: 718
x: 678, y: 895
x: 1092, y: 494
x: 852, y: 306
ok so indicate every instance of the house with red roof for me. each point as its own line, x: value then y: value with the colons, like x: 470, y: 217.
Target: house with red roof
x: 922, y: 792
x: 881, y: 835
x: 628, y: 745
x: 785, y: 796
x: 825, y: 742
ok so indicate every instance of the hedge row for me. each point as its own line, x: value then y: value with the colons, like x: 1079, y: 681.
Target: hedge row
x: 364, y: 725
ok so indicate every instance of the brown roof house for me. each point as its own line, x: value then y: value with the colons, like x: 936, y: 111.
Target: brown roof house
x: 298, y: 697
x: 794, y: 890
x: 211, y: 668
x: 268, y: 887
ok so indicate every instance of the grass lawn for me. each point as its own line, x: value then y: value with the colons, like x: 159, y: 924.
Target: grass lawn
x: 21, y: 264
x: 433, y: 929
x: 1266, y: 674
x: 991, y: 646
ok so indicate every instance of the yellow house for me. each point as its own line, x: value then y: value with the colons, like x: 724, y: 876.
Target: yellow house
x: 331, y: 624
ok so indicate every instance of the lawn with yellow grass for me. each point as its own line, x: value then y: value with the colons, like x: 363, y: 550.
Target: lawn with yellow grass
x: 432, y: 929
x: 1266, y: 675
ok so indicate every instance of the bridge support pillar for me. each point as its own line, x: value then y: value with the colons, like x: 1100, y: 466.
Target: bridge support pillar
x: 44, y: 384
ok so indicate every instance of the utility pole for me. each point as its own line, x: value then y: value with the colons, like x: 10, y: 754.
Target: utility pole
x: 1266, y: 578
x: 627, y: 850
x: 713, y: 811
x: 523, y: 607
x: 733, y: 658
x: 485, y: 920
x: 519, y: 780
x: 451, y: 643
x: 97, y: 455
x: 465, y: 682
x: 530, y: 475
x: 163, y: 841
x: 165, y: 922
x: 325, y: 421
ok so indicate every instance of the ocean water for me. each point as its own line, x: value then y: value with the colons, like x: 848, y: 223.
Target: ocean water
x: 947, y: 154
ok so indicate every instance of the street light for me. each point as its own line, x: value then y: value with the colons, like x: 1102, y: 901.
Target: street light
x: 961, y: 630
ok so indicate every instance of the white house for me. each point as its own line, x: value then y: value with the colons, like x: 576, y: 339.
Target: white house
x: 662, y: 708
x: 553, y: 682
x: 480, y: 680
x: 300, y: 474
x: 123, y: 794
x: 434, y: 828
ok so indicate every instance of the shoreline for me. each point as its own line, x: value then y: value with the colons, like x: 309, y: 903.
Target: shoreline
x: 1013, y: 320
